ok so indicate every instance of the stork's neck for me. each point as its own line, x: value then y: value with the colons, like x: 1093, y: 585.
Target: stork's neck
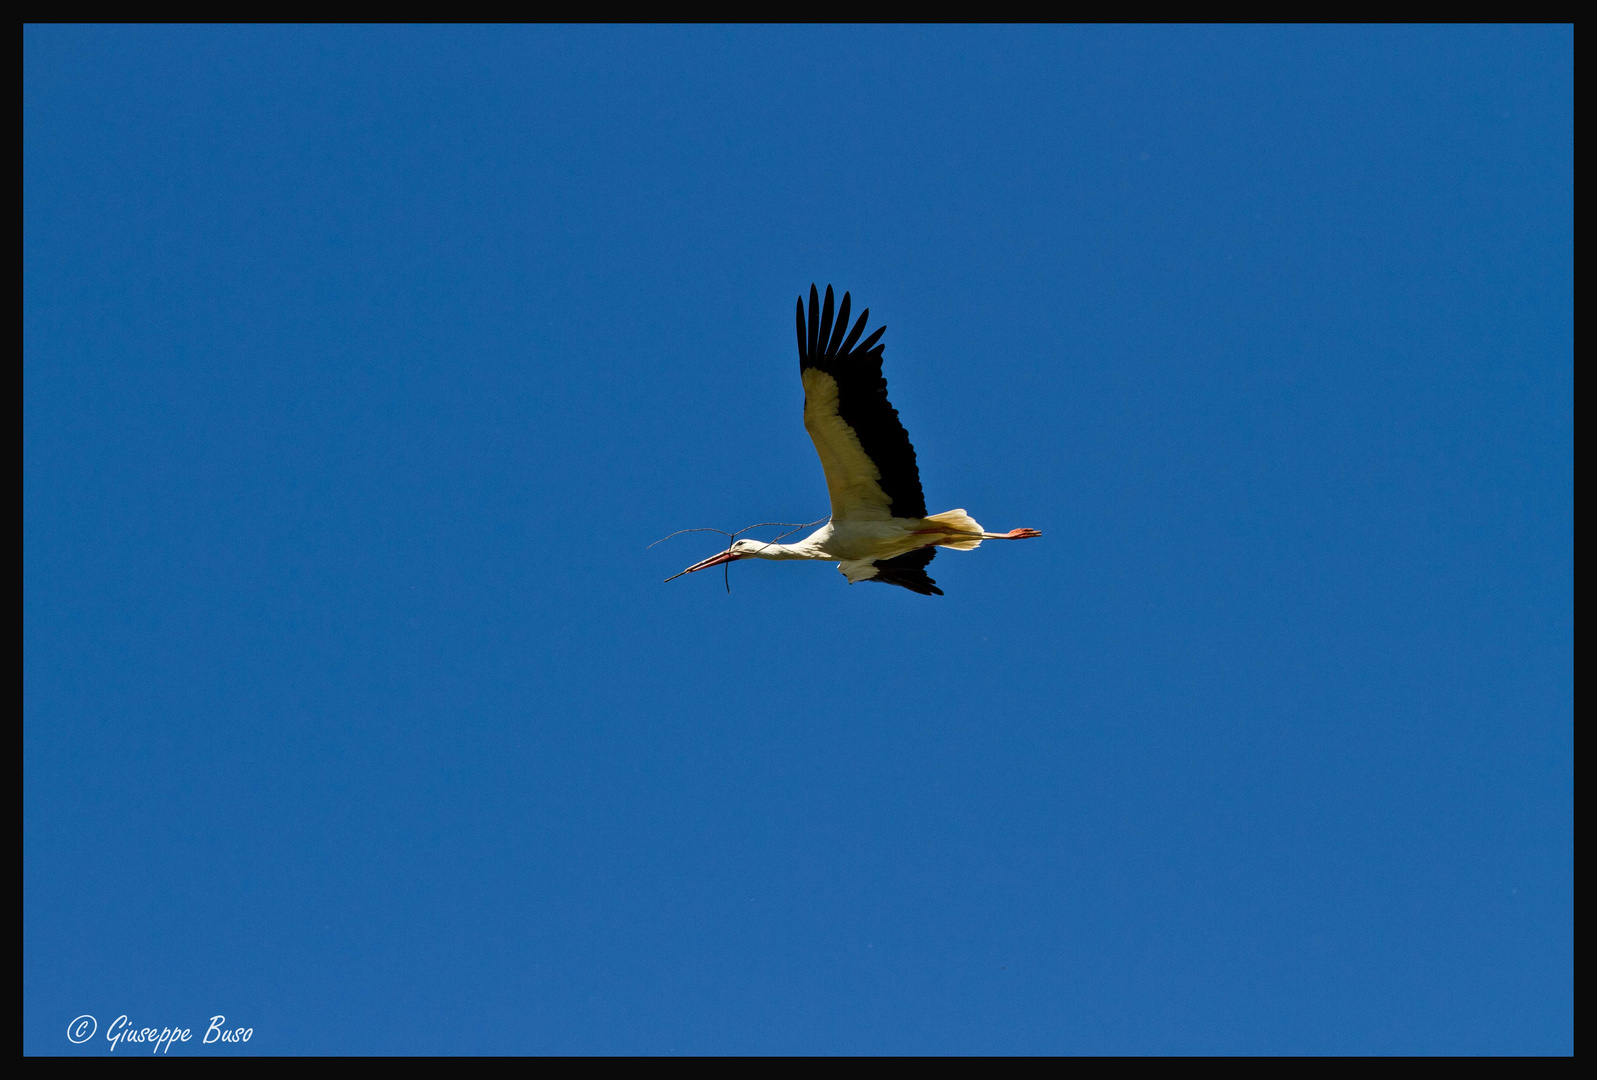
x: 812, y: 546
x: 782, y: 551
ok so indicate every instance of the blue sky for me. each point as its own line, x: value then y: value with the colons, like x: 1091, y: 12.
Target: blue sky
x: 361, y: 365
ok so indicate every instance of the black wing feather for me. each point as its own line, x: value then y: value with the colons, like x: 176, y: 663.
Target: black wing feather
x: 909, y: 571
x: 824, y: 334
x: 841, y: 327
x: 815, y: 319
x: 862, y: 402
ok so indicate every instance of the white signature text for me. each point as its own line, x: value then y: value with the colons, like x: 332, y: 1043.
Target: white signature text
x: 122, y: 1031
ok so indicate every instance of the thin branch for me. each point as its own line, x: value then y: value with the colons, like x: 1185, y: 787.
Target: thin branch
x: 679, y: 532
x: 794, y: 527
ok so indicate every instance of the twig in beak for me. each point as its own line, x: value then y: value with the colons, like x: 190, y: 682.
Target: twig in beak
x: 726, y: 556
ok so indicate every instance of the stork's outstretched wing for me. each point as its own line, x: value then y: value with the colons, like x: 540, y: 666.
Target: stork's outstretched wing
x: 865, y: 451
x: 909, y: 571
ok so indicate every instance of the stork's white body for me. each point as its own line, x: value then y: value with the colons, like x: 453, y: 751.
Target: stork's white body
x: 856, y: 546
x: 871, y: 474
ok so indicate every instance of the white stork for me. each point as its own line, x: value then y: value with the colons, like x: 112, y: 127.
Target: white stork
x: 879, y: 530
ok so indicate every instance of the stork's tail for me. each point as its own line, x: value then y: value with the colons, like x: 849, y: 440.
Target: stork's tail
x: 958, y: 524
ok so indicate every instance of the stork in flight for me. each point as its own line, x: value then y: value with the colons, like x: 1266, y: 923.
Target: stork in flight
x: 879, y: 530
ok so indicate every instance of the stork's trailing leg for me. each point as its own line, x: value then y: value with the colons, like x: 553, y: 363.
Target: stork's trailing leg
x: 962, y: 532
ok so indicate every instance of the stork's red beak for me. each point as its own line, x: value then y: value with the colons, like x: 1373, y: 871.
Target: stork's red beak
x: 713, y: 560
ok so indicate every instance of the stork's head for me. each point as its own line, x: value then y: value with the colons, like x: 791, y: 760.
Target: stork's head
x: 751, y: 549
